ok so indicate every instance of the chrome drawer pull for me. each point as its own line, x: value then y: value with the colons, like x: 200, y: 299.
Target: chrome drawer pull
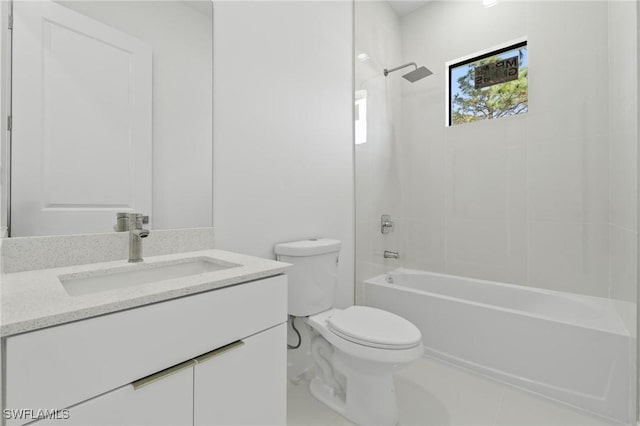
x: 152, y: 378
x: 155, y: 377
x: 217, y: 352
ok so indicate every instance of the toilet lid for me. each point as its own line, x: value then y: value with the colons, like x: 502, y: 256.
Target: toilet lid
x: 375, y: 328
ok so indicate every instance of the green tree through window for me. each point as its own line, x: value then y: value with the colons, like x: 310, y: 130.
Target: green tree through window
x: 469, y: 104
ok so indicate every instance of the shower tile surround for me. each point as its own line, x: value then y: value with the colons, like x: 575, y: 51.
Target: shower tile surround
x: 378, y: 162
x: 544, y: 199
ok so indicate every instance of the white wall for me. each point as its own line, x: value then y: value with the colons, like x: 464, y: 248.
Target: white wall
x: 523, y: 199
x: 283, y: 163
x: 181, y: 38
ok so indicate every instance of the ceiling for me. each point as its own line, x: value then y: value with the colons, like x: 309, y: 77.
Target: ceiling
x: 405, y: 7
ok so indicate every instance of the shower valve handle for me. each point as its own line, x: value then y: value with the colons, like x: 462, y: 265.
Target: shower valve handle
x: 386, y: 225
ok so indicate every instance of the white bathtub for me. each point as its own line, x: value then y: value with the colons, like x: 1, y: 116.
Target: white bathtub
x: 571, y: 348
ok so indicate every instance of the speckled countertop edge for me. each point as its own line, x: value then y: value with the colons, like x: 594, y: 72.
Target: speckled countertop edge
x: 33, y: 300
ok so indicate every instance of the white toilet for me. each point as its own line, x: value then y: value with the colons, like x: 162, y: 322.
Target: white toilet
x: 355, y: 350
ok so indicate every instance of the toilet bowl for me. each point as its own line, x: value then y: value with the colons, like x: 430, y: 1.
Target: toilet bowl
x: 356, y: 351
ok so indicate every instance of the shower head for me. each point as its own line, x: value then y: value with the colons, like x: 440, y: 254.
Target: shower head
x: 417, y: 74
x: 413, y: 76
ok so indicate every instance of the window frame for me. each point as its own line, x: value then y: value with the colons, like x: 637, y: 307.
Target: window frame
x: 478, y: 56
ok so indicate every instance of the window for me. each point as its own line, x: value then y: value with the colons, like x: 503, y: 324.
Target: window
x: 489, y: 86
x: 360, y: 114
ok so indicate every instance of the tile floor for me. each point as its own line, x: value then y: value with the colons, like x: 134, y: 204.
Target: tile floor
x: 435, y: 393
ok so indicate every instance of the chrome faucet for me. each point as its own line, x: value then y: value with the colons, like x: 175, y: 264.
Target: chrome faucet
x: 136, y: 234
x: 122, y: 222
x: 391, y: 254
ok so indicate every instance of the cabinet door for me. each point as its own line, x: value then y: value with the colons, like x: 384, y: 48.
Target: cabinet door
x: 165, y: 399
x: 244, y: 384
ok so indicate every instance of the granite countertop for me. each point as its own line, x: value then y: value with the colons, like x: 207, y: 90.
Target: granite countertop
x: 36, y: 299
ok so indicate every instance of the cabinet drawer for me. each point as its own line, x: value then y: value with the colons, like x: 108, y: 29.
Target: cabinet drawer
x: 63, y: 365
x: 167, y: 402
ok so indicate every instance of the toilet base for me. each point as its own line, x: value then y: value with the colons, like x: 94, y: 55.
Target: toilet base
x: 355, y: 380
x: 365, y: 394
x: 326, y: 395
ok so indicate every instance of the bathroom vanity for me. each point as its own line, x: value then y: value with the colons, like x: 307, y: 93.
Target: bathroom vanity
x: 204, y: 348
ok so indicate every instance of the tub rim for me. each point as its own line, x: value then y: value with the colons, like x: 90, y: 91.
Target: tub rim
x: 603, y: 303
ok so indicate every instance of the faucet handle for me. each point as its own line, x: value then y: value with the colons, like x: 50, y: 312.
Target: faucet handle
x: 135, y: 220
x: 122, y: 222
x: 126, y: 221
x: 386, y: 225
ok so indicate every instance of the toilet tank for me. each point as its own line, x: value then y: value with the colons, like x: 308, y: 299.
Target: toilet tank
x: 313, y: 276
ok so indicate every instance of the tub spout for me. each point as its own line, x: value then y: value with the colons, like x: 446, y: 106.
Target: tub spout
x: 391, y: 254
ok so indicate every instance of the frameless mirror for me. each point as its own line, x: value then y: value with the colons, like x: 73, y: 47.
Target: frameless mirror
x: 111, y: 105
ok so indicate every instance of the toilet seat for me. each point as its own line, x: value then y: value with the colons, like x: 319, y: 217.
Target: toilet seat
x: 374, y: 328
x: 319, y: 322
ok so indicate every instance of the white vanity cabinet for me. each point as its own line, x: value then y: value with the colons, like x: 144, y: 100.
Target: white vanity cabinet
x: 228, y: 344
x: 165, y: 402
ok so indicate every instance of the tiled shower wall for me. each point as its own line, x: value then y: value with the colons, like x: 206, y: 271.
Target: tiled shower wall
x: 378, y: 161
x: 623, y: 150
x: 544, y: 199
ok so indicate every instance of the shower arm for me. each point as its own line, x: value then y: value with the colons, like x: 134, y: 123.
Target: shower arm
x: 386, y: 71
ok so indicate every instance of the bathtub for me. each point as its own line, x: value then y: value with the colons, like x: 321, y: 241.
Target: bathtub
x: 571, y: 348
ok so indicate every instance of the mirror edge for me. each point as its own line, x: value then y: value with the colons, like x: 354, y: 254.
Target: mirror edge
x: 5, y: 116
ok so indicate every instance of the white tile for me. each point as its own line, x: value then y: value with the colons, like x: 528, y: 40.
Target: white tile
x: 517, y: 268
x: 624, y: 264
x: 433, y: 393
x: 377, y: 31
x: 516, y: 265
x: 478, y: 248
x: 516, y: 176
x: 425, y: 246
x: 478, y: 167
x: 430, y: 392
x: 568, y: 179
x: 624, y: 185
x: 304, y: 409
x: 569, y: 257
x: 559, y: 107
x: 554, y: 26
x: 622, y: 49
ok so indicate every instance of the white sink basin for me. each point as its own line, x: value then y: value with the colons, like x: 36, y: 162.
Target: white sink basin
x: 134, y: 275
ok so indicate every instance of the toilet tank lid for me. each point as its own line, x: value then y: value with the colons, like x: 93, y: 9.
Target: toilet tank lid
x: 309, y: 247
